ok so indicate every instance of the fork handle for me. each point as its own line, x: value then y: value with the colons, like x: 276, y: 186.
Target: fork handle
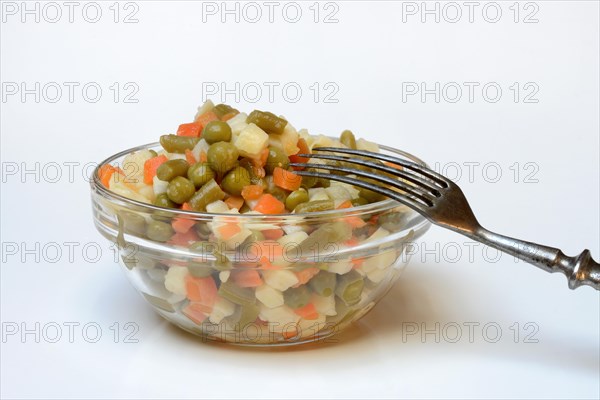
x: 579, y: 270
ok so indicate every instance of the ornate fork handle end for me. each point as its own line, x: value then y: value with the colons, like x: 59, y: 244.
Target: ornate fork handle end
x: 580, y: 270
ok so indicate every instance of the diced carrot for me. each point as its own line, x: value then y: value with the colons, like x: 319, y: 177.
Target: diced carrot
x: 183, y: 225
x: 306, y: 275
x: 234, y: 202
x: 391, y: 164
x: 263, y: 157
x: 196, y: 312
x: 345, y: 204
x: 203, y: 157
x: 303, y: 150
x: 357, y: 262
x: 150, y: 167
x: 289, y: 334
x: 207, y: 117
x: 286, y: 179
x: 192, y: 129
x: 183, y: 238
x: 268, y: 204
x: 246, y: 278
x: 252, y: 192
x: 272, y: 234
x: 228, y: 230
x: 189, y: 157
x: 267, y: 252
x: 354, y: 221
x: 106, y: 172
x: 353, y: 241
x: 201, y: 290
x: 307, y: 312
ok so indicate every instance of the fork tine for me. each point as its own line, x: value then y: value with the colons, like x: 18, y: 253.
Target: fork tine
x: 415, y: 205
x: 418, y: 192
x: 404, y: 174
x: 440, y: 179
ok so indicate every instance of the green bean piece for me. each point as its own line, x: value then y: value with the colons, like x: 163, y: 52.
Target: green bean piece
x: 267, y: 121
x: 207, y: 194
x: 200, y: 271
x: 222, y: 156
x: 323, y: 182
x: 349, y: 287
x: 203, y: 230
x: 347, y: 139
x: 321, y: 240
x: 276, y: 158
x: 323, y: 283
x: 159, y: 231
x: 171, y: 169
x: 279, y: 193
x: 180, y: 190
x: 133, y: 223
x: 359, y: 201
x: 216, y: 131
x: 296, y: 297
x: 314, y: 206
x: 309, y: 181
x: 178, y: 144
x: 204, y: 249
x: 236, y: 294
x: 248, y: 316
x: 221, y: 110
x: 200, y: 173
x: 296, y: 197
x: 236, y: 180
x: 154, y: 153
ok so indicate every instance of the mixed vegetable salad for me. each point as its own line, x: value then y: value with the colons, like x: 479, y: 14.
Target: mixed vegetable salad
x: 228, y: 163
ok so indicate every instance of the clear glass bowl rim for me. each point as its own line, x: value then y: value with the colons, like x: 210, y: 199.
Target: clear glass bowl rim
x: 376, y: 207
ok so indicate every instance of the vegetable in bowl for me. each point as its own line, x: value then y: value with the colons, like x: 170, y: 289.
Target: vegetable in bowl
x: 223, y: 239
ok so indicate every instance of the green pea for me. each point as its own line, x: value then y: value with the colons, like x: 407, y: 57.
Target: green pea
x: 162, y: 200
x: 267, y: 121
x: 279, y: 193
x: 180, y: 190
x: 159, y: 231
x: 200, y: 173
x: 295, y: 198
x: 216, y: 131
x: 172, y: 169
x: 133, y: 223
x: 222, y: 156
x: 178, y: 144
x: 347, y: 139
x: 276, y: 158
x: 309, y: 181
x: 235, y: 180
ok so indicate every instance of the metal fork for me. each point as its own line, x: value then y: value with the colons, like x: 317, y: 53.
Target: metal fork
x: 443, y: 203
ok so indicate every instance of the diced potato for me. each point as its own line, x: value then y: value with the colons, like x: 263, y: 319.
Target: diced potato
x: 237, y: 124
x: 377, y: 275
x: 354, y: 192
x: 251, y: 141
x: 362, y: 144
x: 340, y: 267
x: 293, y: 239
x: 175, y: 280
x: 287, y: 140
x: 224, y: 276
x: 217, y: 207
x: 282, y: 315
x: 324, y: 304
x: 117, y: 184
x: 315, y: 194
x: 201, y: 146
x: 207, y: 106
x: 280, y: 279
x: 221, y: 309
x: 159, y: 186
x: 338, y: 193
x: 269, y: 296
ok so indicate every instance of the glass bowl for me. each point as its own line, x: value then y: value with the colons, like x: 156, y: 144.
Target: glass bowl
x: 294, y: 278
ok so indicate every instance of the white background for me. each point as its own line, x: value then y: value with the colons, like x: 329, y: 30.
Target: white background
x: 551, y: 196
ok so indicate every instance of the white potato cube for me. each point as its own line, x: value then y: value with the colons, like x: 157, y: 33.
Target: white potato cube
x: 251, y: 141
x: 280, y: 279
x: 269, y: 297
x: 175, y: 280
